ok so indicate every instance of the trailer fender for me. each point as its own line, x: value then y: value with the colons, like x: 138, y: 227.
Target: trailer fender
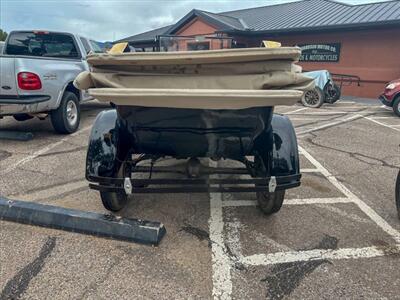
x: 104, y: 151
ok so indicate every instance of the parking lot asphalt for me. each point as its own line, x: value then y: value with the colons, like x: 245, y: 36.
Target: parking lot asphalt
x: 337, y: 236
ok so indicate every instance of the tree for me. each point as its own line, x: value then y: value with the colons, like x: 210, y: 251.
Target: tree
x: 3, y: 35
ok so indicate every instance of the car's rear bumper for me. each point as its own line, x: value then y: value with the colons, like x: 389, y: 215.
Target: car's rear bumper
x: 385, y: 101
x: 194, y: 185
x: 23, y: 104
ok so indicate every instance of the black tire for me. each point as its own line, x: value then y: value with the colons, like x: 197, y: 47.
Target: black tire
x: 333, y: 94
x: 22, y: 117
x: 115, y: 201
x: 270, y: 203
x: 65, y: 119
x: 397, y: 196
x: 396, y: 106
x: 313, y: 98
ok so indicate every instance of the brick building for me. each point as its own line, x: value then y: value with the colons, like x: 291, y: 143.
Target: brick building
x: 362, y: 41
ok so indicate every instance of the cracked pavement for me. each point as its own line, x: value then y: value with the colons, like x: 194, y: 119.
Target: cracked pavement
x: 40, y: 263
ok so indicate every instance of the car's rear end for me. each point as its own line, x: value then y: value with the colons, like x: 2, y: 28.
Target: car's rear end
x: 192, y: 105
x: 391, y: 96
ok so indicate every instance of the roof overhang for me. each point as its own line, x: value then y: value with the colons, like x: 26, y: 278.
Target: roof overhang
x: 349, y: 27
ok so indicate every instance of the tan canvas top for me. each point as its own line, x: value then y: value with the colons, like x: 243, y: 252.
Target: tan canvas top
x: 216, y: 79
x: 196, y: 57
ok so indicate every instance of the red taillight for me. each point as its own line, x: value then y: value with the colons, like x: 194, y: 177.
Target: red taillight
x: 29, y: 81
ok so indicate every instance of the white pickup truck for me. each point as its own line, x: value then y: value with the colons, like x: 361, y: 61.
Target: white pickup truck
x: 37, y: 69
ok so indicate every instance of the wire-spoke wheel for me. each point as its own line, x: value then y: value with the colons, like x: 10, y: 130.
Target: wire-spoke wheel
x: 313, y: 98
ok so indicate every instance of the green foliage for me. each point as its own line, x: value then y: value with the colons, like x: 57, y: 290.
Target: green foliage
x: 3, y: 35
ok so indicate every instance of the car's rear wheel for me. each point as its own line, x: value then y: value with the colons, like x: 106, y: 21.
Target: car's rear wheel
x: 333, y: 93
x: 66, y: 118
x: 313, y: 98
x: 268, y: 202
x: 396, y: 106
x: 115, y: 201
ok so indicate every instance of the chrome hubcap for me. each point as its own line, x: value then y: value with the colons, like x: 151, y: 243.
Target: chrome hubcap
x: 72, y: 113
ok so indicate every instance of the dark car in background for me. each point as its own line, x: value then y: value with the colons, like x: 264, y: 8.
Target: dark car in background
x: 391, y: 96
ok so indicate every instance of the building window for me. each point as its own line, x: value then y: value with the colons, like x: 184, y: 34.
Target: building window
x: 198, y: 46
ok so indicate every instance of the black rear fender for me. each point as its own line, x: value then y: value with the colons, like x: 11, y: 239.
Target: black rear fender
x: 278, y: 148
x: 107, y: 149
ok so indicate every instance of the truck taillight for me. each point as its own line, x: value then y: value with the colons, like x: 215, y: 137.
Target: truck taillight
x: 29, y: 81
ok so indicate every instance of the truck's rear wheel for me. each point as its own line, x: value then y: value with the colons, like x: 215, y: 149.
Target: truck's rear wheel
x: 66, y: 118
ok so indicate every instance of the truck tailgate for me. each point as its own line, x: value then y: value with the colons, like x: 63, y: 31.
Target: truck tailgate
x: 8, y: 80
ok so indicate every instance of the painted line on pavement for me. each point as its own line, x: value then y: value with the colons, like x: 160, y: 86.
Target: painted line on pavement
x: 237, y: 203
x: 53, y: 191
x: 297, y: 110
x: 380, y: 123
x: 221, y: 268
x: 319, y: 254
x: 310, y: 171
x: 331, y: 124
x: 41, y: 151
x: 385, y: 226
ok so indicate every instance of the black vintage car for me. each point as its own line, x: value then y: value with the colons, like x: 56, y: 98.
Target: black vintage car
x: 194, y: 105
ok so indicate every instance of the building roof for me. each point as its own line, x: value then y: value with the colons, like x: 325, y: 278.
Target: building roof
x: 304, y: 15
x: 317, y: 14
x: 145, y: 36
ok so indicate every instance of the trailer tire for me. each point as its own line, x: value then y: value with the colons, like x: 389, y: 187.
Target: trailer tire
x: 313, y: 98
x: 65, y: 119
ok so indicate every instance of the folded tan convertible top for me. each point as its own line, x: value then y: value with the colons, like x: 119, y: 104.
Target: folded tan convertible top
x: 196, y: 57
x: 216, y: 79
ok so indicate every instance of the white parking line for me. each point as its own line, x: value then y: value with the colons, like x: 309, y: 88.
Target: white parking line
x: 385, y: 226
x: 320, y: 113
x: 297, y: 110
x: 380, y: 123
x: 309, y: 171
x: 391, y: 117
x: 221, y: 261
x: 40, y: 152
x: 221, y: 273
x: 230, y: 203
x: 347, y: 102
x: 318, y: 254
x: 338, y: 122
x: 385, y: 107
